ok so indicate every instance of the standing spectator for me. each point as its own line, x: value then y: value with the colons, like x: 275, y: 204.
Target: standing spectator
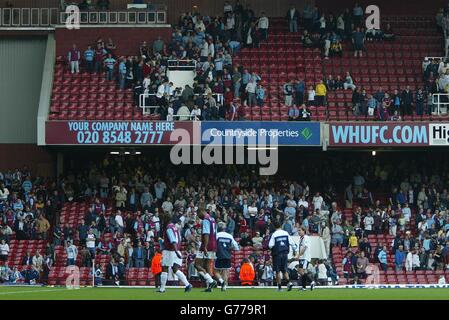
x: 263, y: 24
x: 109, y: 63
x: 288, y: 93
x: 337, y: 234
x: 320, y: 90
x: 362, y: 263
x: 358, y: 38
x: 74, y: 57
x: 299, y: 92
x: 38, y: 261
x: 4, y: 250
x: 122, y: 74
x: 407, y: 101
x: 42, y: 227
x: 72, y: 253
x: 139, y: 255
x: 357, y: 15
x: 382, y: 256
x: 311, y: 96
x: 89, y: 56
x: 326, y: 236
x: 251, y: 91
x: 419, y: 102
x: 158, y: 45
x: 399, y: 258
x: 90, y: 243
x: 292, y: 19
x: 236, y: 82
x: 260, y: 95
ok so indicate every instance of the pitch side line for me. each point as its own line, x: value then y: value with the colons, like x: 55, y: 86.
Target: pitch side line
x: 377, y: 286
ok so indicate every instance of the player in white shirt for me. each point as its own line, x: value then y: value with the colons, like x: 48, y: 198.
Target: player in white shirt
x: 304, y: 248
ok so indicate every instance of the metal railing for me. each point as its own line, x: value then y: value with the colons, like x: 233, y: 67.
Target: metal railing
x: 119, y: 17
x: 50, y: 17
x: 147, y: 109
x: 182, y: 64
x: 440, y: 101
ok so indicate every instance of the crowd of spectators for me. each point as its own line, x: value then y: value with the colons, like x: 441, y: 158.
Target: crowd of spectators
x: 28, y: 206
x: 221, y: 90
x: 329, y: 31
x: 206, y: 44
x: 415, y: 213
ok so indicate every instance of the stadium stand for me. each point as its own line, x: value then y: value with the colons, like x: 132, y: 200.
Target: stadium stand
x: 282, y: 57
x: 428, y: 230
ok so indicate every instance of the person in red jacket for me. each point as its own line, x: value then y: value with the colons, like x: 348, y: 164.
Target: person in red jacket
x: 247, y: 273
x: 156, y: 268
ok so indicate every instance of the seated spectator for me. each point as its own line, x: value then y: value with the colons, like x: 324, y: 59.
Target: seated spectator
x: 374, y: 35
x: 388, y: 33
x: 304, y: 113
x: 330, y: 83
x: 257, y: 241
x: 339, y: 83
x: 336, y: 48
x: 293, y: 113
x: 348, y: 83
x: 245, y: 241
x: 306, y: 40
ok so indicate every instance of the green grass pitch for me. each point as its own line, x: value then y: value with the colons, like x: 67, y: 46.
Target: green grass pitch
x: 89, y: 293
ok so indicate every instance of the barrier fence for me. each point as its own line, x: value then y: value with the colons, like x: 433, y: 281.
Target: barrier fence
x: 50, y: 17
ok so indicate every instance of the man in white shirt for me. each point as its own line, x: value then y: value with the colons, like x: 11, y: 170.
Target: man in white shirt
x: 251, y: 90
x: 72, y: 253
x: 368, y: 221
x: 119, y: 221
x: 90, y: 243
x: 211, y: 49
x: 4, y: 193
x: 160, y: 91
x: 304, y: 248
x: 302, y: 202
x: 263, y: 24
x: 230, y: 23
x: 317, y: 201
x: 227, y: 8
x: 204, y: 51
x: 407, y: 212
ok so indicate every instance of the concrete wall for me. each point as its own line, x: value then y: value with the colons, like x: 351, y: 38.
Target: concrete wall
x: 21, y: 65
x: 127, y: 39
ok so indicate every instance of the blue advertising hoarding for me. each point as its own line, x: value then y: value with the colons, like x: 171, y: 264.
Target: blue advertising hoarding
x: 269, y: 133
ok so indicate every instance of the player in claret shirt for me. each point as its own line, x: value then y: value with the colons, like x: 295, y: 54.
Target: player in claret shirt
x: 171, y: 253
x: 280, y: 243
x: 206, y: 255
